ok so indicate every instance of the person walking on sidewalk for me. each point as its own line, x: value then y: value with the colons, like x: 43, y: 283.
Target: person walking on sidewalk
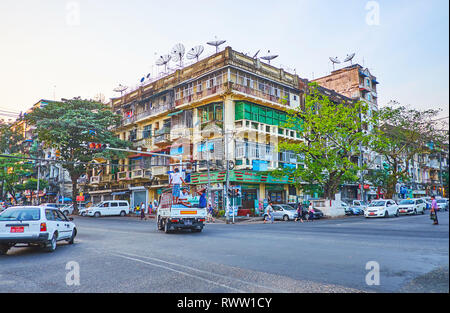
x: 299, y: 213
x: 269, y: 212
x: 310, y: 212
x: 143, y: 212
x: 210, y: 217
x: 433, y: 212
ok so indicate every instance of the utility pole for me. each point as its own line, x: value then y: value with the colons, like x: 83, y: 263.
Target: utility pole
x: 227, y: 200
x: 38, y: 178
x: 209, y: 178
x: 440, y: 174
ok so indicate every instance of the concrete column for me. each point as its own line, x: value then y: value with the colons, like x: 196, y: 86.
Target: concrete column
x: 228, y: 117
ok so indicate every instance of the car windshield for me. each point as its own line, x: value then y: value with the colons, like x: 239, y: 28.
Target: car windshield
x: 287, y: 207
x: 21, y: 214
x: 407, y: 202
x: 377, y: 203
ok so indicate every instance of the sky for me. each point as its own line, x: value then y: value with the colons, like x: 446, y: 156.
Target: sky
x: 52, y: 49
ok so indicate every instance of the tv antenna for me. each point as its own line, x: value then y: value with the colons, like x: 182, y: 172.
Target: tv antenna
x: 269, y: 57
x: 195, y: 52
x: 163, y: 60
x: 334, y: 61
x: 121, y: 88
x: 349, y: 57
x: 216, y: 43
x: 177, y: 53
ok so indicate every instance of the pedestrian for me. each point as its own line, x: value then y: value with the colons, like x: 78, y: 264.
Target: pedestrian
x: 299, y: 213
x: 176, y: 180
x: 210, y: 217
x: 310, y: 212
x: 143, y: 212
x: 433, y: 212
x: 136, y: 210
x: 150, y: 208
x: 269, y: 212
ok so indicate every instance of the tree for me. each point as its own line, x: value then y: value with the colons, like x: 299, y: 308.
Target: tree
x: 10, y: 138
x: 12, y: 169
x: 402, y: 133
x: 69, y: 125
x: 31, y: 185
x: 332, y: 133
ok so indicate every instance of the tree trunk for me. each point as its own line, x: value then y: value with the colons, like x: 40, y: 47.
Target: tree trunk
x: 74, y: 193
x: 391, y: 188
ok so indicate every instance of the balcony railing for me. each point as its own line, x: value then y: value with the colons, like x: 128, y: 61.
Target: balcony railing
x: 164, y: 138
x: 159, y: 170
x: 123, y: 175
x: 196, y: 96
x: 153, y: 111
x: 251, y: 150
x: 95, y: 179
x: 259, y: 94
x: 137, y: 173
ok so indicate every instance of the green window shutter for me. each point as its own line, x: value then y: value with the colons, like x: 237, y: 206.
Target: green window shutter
x: 269, y: 113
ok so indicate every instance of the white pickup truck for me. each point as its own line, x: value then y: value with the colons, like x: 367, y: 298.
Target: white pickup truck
x: 171, y: 216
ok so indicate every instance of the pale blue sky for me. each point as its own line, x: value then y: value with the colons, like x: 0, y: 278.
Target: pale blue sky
x: 116, y: 42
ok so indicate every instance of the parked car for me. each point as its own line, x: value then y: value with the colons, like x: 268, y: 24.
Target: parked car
x: 412, y: 206
x: 109, y: 208
x: 318, y: 214
x: 53, y: 205
x: 68, y: 209
x: 35, y: 225
x: 283, y: 212
x: 442, y: 204
x: 354, y: 210
x: 382, y: 208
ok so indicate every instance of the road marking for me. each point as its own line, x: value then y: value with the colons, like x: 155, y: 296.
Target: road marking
x: 206, y: 272
x: 180, y: 272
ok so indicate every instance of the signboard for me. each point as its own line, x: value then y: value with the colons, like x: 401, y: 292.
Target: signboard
x: 80, y: 198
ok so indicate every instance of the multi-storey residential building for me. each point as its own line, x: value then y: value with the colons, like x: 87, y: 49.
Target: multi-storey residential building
x: 225, y: 107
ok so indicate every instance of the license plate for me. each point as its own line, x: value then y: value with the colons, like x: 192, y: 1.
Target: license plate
x: 371, y: 213
x: 188, y: 222
x: 17, y: 229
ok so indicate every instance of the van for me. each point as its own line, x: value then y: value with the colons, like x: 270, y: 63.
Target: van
x: 109, y: 208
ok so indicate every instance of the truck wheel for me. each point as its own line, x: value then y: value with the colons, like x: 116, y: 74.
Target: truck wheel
x: 159, y: 224
x: 4, y: 249
x: 166, y: 227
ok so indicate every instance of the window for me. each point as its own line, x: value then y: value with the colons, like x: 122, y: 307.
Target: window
x: 211, y: 112
x: 123, y: 204
x: 147, y: 131
x: 49, y: 215
x: 114, y: 204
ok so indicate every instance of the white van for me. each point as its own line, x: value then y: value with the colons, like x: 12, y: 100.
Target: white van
x: 108, y: 208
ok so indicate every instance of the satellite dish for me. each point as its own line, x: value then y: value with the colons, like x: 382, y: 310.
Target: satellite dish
x: 216, y: 43
x: 269, y: 57
x: 142, y: 79
x: 195, y: 52
x: 120, y: 89
x: 334, y: 61
x: 349, y: 58
x: 256, y: 54
x: 148, y: 76
x: 163, y: 60
x: 177, y: 53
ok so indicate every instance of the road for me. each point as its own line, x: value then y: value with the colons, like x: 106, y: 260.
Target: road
x: 128, y: 255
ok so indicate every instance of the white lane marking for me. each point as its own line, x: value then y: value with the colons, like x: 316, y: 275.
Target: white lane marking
x: 180, y: 272
x: 205, y: 272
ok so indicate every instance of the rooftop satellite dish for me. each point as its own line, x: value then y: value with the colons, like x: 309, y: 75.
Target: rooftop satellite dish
x: 142, y: 79
x: 334, y: 61
x: 195, y: 52
x: 216, y: 43
x: 148, y: 76
x: 163, y: 60
x: 269, y: 57
x: 177, y: 53
x: 120, y: 89
x: 256, y: 54
x: 349, y: 58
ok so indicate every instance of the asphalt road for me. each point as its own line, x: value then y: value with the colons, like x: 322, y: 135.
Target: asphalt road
x: 128, y: 255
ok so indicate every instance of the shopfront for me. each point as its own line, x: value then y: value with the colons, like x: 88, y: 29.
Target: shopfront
x: 276, y: 193
x: 139, y: 195
x: 249, y: 196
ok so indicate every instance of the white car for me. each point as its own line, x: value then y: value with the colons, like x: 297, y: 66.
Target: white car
x: 38, y: 225
x: 382, y: 208
x: 108, y: 208
x: 442, y: 204
x: 412, y: 206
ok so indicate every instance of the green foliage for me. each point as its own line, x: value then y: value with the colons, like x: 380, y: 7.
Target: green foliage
x: 69, y: 125
x: 31, y: 184
x: 11, y: 171
x: 10, y: 138
x: 401, y: 133
x: 332, y: 134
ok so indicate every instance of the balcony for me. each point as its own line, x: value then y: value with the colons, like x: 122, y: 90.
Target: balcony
x: 248, y: 126
x: 162, y: 136
x: 180, y: 131
x: 159, y: 170
x: 261, y: 95
x: 143, y: 142
x: 123, y: 176
x: 94, y: 180
x: 141, y: 173
x: 149, y: 113
x: 106, y: 178
x: 197, y: 96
